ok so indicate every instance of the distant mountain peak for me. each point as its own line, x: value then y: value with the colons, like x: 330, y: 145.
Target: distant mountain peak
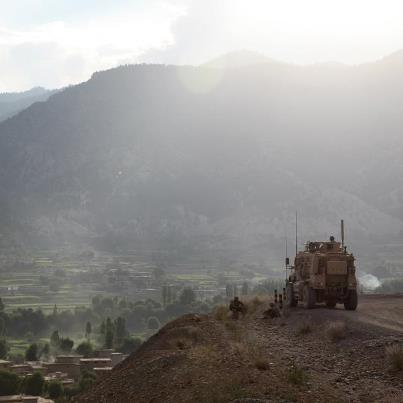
x: 13, y: 102
x: 26, y: 93
x: 240, y: 58
x: 395, y: 57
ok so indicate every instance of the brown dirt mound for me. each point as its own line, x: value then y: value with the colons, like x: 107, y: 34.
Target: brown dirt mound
x: 214, y: 359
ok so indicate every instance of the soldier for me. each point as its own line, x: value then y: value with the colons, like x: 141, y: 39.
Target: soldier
x: 235, y: 307
x: 273, y: 311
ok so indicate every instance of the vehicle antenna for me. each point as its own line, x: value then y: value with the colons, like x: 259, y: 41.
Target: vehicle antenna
x: 286, y: 257
x: 342, y: 234
x: 296, y: 233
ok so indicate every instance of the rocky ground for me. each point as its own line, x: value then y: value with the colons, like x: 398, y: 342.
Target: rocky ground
x: 319, y: 355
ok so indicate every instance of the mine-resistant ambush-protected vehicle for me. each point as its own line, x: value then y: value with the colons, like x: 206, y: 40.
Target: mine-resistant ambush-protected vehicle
x: 323, y: 272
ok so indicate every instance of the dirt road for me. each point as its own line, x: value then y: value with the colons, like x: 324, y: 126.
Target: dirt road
x: 380, y: 310
x: 351, y: 368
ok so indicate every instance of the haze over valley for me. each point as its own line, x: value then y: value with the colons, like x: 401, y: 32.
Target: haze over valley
x: 201, y: 201
x: 210, y: 161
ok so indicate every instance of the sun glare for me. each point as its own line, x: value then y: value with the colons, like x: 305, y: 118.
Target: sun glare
x: 345, y: 30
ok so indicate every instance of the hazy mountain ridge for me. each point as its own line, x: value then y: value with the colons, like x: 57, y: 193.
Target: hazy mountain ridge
x: 13, y: 102
x: 184, y: 158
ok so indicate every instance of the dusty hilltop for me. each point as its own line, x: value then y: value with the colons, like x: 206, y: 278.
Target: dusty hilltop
x: 319, y: 355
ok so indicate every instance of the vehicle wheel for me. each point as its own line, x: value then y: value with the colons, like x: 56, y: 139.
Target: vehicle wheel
x: 330, y: 303
x: 309, y: 297
x: 291, y: 302
x: 351, y: 301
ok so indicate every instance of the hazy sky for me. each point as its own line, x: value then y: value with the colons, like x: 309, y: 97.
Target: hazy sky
x: 54, y: 43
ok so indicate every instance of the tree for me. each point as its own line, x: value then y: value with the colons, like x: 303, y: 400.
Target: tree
x: 2, y: 326
x: 45, y: 351
x: 55, y: 339
x: 187, y: 297
x: 85, y: 349
x: 55, y: 389
x: 87, y: 379
x: 109, y: 333
x: 31, y: 354
x: 34, y: 384
x: 229, y: 290
x: 120, y: 329
x: 2, y: 306
x: 3, y: 349
x: 66, y: 344
x: 88, y: 330
x: 130, y: 344
x: 153, y: 323
x: 9, y: 383
x: 109, y: 338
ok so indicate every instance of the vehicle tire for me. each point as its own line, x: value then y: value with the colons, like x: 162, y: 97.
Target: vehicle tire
x: 309, y: 297
x: 351, y: 301
x: 290, y: 302
x: 331, y: 303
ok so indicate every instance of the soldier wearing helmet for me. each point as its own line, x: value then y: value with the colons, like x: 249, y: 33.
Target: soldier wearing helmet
x: 236, y: 306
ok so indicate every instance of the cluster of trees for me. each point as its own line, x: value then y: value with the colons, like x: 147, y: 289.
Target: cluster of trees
x: 23, y: 322
x: 115, y: 317
x: 35, y: 385
x: 143, y: 315
x: 111, y: 319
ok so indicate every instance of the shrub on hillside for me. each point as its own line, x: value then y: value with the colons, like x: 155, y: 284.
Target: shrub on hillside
x: 304, y: 328
x: 394, y: 356
x: 220, y: 312
x: 297, y: 376
x: 336, y: 331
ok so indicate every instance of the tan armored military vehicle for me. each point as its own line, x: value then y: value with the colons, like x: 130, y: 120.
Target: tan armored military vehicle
x: 323, y: 272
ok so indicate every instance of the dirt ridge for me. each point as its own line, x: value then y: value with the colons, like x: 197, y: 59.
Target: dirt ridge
x: 320, y: 355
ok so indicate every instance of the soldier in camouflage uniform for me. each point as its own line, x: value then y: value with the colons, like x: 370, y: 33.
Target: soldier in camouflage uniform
x: 236, y: 306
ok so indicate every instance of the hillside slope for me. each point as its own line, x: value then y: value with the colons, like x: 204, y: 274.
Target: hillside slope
x: 206, y: 161
x: 205, y: 359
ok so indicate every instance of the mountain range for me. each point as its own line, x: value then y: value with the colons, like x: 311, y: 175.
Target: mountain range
x: 209, y: 160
